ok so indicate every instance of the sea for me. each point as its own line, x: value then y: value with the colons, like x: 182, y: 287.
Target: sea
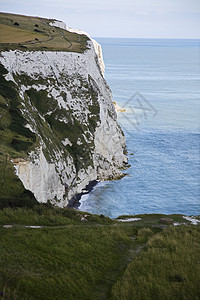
x: 157, y: 81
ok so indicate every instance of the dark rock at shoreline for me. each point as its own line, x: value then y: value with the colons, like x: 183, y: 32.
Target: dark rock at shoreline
x: 75, y: 200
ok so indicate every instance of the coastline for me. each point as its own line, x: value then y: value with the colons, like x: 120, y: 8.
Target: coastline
x: 75, y: 200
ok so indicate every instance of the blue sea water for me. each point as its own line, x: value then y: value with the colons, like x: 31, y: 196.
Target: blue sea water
x: 158, y: 82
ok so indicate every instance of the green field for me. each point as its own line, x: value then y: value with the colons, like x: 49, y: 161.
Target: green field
x: 97, y: 258
x: 34, y: 33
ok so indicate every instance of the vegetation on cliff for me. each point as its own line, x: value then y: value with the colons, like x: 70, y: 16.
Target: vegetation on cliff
x: 56, y: 112
x: 16, y: 141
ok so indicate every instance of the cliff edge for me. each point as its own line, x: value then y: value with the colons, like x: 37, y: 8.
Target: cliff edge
x: 58, y: 125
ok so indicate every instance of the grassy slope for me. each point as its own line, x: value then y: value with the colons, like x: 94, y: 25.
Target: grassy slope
x: 168, y: 269
x: 15, y: 141
x: 97, y: 259
x: 34, y: 33
x: 11, y: 34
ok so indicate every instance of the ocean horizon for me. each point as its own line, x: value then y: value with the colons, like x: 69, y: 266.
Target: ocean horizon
x: 157, y: 82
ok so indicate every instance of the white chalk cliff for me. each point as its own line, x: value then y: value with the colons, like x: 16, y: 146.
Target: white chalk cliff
x: 97, y: 47
x: 68, y: 105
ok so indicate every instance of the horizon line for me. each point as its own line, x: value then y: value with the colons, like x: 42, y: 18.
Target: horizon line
x: 110, y: 37
x: 145, y: 38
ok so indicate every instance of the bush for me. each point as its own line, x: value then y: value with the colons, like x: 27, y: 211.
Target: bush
x: 26, y: 199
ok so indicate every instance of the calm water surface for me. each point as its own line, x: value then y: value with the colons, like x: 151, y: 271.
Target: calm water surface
x: 158, y: 81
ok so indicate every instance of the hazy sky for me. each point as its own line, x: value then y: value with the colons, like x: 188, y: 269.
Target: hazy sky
x: 114, y: 18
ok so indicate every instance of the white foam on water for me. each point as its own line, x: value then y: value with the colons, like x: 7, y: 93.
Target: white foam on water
x: 84, y: 197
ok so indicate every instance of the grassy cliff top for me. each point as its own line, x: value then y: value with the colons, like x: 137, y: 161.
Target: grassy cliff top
x: 34, y: 33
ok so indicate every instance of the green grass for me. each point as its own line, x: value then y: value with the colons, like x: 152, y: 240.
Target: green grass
x: 168, y: 268
x: 35, y: 33
x: 96, y: 259
x: 48, y: 215
x: 51, y: 263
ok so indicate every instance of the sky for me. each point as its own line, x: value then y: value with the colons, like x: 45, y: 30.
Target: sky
x: 114, y: 18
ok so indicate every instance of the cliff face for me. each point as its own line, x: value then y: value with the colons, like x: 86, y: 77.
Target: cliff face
x: 69, y: 119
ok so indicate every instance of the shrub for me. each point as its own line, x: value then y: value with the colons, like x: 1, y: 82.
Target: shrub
x: 26, y: 199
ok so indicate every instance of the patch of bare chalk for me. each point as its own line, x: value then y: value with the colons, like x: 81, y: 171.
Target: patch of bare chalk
x: 128, y: 220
